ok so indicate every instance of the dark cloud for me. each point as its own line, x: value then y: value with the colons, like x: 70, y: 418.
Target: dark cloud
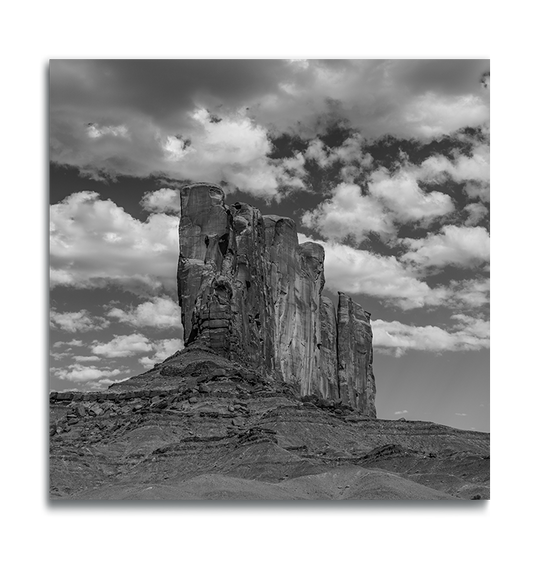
x: 225, y: 120
x: 454, y: 77
x: 164, y: 90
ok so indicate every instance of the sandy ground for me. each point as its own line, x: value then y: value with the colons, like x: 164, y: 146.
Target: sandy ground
x: 342, y: 484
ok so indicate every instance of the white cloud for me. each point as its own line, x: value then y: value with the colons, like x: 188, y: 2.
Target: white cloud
x: 407, y: 98
x: 79, y: 373
x: 96, y: 131
x: 96, y: 125
x: 163, y: 349
x: 470, y: 293
x: 459, y: 414
x: 163, y: 200
x: 86, y: 358
x: 161, y: 312
x: 60, y: 355
x: 459, y: 246
x: 94, y: 243
x: 103, y: 383
x: 73, y: 342
x: 469, y: 334
x: 431, y: 114
x: 476, y: 213
x: 472, y: 326
x: 123, y: 345
x: 80, y: 321
x: 407, y: 201
x: 393, y: 198
x: 400, y: 412
x: 349, y: 152
x: 475, y: 166
x: 478, y: 190
x: 472, y: 169
x: 361, y: 272
x: 349, y: 214
x: 357, y: 271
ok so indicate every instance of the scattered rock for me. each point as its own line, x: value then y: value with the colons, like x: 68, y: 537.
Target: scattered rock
x: 218, y: 373
x: 170, y: 370
x: 158, y: 403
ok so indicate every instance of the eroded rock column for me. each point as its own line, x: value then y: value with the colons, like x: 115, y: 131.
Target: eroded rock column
x: 248, y: 290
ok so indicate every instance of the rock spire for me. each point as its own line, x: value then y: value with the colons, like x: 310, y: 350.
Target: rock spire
x: 248, y: 290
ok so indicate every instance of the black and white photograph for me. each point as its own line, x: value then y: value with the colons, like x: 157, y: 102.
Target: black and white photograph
x: 269, y: 279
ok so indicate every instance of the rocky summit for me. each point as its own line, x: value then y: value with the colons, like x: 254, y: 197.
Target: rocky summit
x: 250, y: 291
x: 273, y: 397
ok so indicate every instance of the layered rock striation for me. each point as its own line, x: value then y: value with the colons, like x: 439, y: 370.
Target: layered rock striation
x: 250, y: 291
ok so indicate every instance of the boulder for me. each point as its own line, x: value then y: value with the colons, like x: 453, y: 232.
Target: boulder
x: 158, y: 403
x: 96, y: 410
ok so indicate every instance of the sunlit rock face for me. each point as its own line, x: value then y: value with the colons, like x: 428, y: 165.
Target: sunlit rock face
x: 249, y: 291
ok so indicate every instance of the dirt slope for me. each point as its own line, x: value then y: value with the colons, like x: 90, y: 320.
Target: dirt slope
x: 200, y: 427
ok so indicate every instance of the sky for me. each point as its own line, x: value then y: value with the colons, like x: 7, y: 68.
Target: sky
x: 383, y: 162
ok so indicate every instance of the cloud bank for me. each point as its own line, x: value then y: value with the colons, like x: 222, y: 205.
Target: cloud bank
x: 214, y: 119
x: 95, y: 243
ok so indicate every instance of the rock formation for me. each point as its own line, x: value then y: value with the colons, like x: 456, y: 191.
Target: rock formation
x: 248, y: 290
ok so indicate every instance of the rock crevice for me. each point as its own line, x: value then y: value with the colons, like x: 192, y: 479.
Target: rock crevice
x: 248, y: 290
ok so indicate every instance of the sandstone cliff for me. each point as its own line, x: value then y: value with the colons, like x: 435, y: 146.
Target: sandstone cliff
x: 248, y: 290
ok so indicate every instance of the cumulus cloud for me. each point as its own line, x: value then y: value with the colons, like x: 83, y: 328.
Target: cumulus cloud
x: 349, y: 152
x: 470, y: 293
x: 73, y: 342
x: 123, y: 345
x: 80, y: 321
x: 86, y: 358
x: 469, y: 333
x: 95, y: 243
x: 476, y: 213
x: 408, y: 98
x: 392, y: 199
x: 453, y: 245
x: 82, y: 374
x: 472, y: 167
x: 161, y: 312
x: 349, y: 213
x: 163, y: 200
x: 163, y: 349
x: 400, y: 412
x: 402, y: 337
x: 210, y: 119
x: 357, y: 271
x: 403, y: 196
x: 473, y: 170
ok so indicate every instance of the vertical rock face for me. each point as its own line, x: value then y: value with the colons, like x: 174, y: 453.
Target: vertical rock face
x: 248, y: 290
